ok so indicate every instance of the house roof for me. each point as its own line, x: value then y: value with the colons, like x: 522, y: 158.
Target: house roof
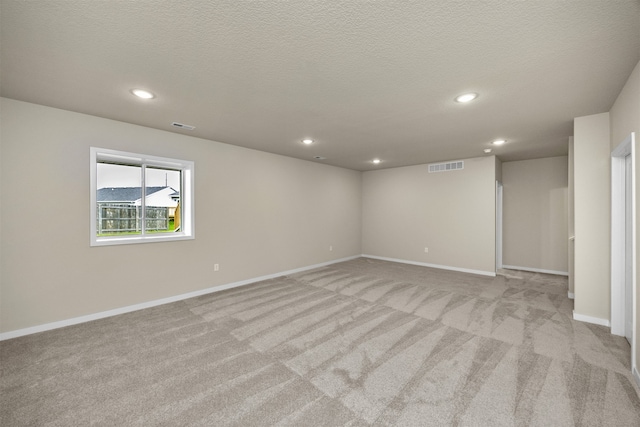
x: 126, y: 194
x: 364, y: 79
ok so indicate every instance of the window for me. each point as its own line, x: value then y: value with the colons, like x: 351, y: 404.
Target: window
x: 137, y: 198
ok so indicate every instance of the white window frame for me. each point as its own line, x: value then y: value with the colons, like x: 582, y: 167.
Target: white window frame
x: 187, y: 206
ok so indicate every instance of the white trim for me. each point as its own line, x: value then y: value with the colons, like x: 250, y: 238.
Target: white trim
x: 571, y: 295
x: 536, y: 270
x: 590, y: 319
x: 636, y: 375
x: 148, y: 304
x: 441, y: 267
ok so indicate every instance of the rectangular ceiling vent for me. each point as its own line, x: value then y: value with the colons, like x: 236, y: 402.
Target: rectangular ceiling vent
x: 446, y: 167
x: 183, y: 126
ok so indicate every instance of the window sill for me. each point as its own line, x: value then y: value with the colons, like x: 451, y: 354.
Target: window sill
x: 130, y: 240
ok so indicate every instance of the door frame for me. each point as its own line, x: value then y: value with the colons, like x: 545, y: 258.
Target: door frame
x: 626, y: 147
x: 499, y: 207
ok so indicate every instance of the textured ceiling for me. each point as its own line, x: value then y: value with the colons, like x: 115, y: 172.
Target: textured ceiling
x: 364, y: 79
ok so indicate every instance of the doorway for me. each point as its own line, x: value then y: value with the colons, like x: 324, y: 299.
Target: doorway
x: 499, y: 191
x: 623, y: 242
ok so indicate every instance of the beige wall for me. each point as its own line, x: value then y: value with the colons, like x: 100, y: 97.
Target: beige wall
x: 625, y: 118
x: 452, y: 213
x: 256, y: 214
x: 535, y: 214
x: 592, y: 203
x: 625, y: 113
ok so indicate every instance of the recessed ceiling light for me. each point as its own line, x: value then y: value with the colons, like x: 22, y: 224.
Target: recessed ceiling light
x: 142, y: 94
x: 499, y: 141
x: 466, y: 97
x: 307, y: 141
x: 376, y: 161
x: 487, y: 150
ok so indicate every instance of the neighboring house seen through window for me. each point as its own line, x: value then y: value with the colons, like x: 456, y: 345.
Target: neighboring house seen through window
x: 137, y: 198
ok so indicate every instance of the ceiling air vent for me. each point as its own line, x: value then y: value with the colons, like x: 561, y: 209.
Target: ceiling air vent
x: 182, y: 126
x: 446, y: 167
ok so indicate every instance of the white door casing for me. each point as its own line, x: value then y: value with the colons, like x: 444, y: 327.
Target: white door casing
x: 623, y: 242
x: 499, y: 204
x: 628, y: 250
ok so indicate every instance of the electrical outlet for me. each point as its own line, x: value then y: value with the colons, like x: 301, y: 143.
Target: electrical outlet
x: 426, y: 250
x: 216, y: 267
x: 330, y: 248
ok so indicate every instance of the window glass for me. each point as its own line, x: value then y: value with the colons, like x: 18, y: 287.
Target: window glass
x: 119, y: 187
x: 162, y: 200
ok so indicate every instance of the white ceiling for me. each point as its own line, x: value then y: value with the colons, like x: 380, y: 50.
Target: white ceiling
x: 364, y: 79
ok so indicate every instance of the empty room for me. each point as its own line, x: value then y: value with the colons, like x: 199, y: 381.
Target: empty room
x: 319, y: 213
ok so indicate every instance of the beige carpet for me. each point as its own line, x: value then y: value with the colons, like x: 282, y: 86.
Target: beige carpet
x: 359, y: 343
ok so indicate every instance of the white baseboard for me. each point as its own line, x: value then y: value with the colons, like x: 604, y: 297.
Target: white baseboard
x: 590, y: 319
x: 571, y: 295
x: 141, y: 306
x: 536, y: 270
x: 441, y: 267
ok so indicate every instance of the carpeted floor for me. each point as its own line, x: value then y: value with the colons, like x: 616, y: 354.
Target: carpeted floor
x: 359, y: 343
